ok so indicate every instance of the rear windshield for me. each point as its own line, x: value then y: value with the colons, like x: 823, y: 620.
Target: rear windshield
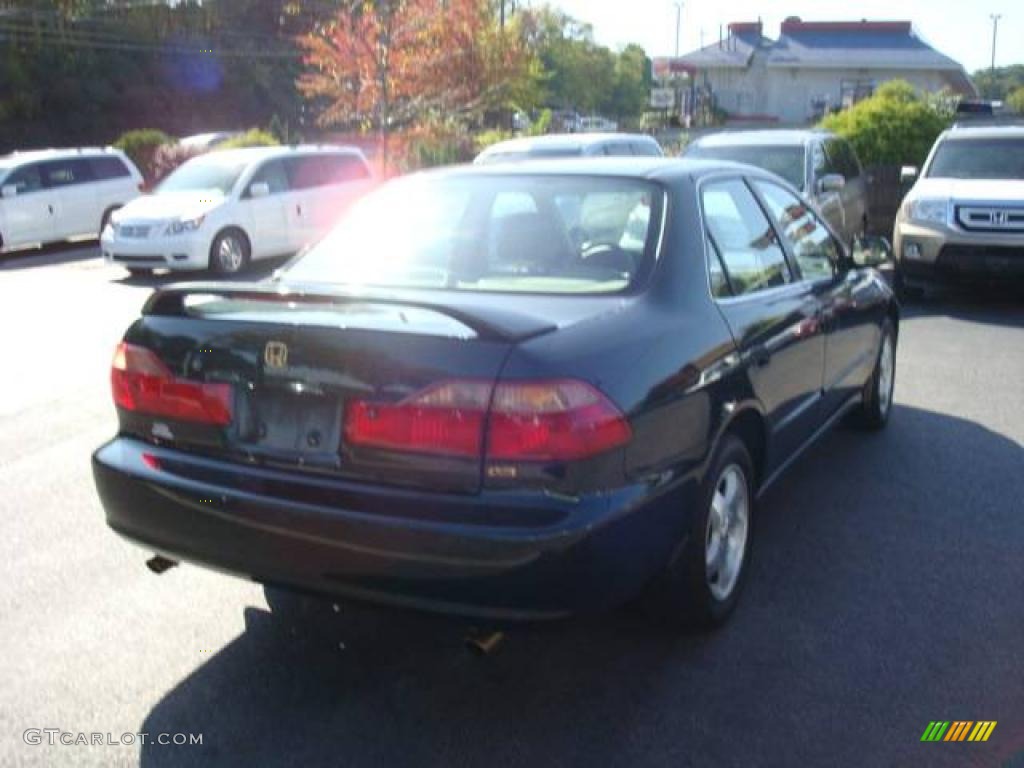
x: 514, y: 233
x: 978, y: 159
x: 209, y: 173
x: 784, y: 161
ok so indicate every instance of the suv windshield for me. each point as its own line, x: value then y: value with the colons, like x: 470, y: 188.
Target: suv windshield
x: 204, y: 174
x: 978, y: 159
x: 520, y: 233
x: 784, y: 161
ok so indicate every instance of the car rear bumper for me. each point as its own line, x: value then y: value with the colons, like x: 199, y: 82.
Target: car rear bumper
x: 569, y: 556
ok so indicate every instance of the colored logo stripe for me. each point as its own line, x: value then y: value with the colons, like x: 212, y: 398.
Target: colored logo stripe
x: 958, y: 730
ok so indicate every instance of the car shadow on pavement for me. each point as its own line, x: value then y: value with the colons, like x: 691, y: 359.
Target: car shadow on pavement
x: 50, y: 255
x: 862, y: 597
x: 256, y: 271
x: 992, y: 306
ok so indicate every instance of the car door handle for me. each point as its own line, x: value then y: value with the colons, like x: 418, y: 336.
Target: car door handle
x: 50, y: 208
x: 298, y: 210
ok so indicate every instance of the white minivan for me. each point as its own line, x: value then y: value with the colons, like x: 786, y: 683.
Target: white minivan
x: 220, y: 210
x: 51, y: 195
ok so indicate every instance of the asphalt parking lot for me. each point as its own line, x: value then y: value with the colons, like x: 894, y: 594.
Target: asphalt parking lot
x: 887, y: 591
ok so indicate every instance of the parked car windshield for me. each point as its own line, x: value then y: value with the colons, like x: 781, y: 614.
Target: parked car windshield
x: 978, y: 159
x: 518, y: 233
x: 204, y: 174
x: 784, y: 161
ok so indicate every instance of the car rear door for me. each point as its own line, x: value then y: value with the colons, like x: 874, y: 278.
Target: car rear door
x: 847, y: 318
x: 345, y: 177
x: 29, y: 213
x: 773, y: 316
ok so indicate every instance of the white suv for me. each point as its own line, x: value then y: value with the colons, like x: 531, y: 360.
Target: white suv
x: 222, y: 209
x: 51, y: 195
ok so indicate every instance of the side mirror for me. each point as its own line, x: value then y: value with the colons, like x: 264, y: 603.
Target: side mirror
x: 9, y: 190
x: 908, y: 173
x: 831, y: 182
x: 259, y: 189
x: 871, y: 251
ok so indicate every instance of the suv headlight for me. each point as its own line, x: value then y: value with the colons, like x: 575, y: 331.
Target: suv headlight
x: 926, y: 210
x: 184, y: 225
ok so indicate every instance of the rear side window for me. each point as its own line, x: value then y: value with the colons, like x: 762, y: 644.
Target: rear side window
x: 312, y: 171
x: 817, y: 254
x: 108, y: 167
x: 645, y: 149
x: 64, y: 173
x: 618, y: 149
x: 841, y: 159
x: 26, y: 179
x: 744, y: 238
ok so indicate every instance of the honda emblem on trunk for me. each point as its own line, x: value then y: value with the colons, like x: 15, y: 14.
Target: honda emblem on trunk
x: 275, y: 354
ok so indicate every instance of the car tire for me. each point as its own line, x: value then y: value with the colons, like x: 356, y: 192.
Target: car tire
x: 702, y: 584
x: 105, y: 219
x: 877, y: 397
x: 229, y: 252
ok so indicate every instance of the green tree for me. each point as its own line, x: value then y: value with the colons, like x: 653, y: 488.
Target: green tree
x: 896, y: 126
x: 1015, y: 101
x: 633, y: 81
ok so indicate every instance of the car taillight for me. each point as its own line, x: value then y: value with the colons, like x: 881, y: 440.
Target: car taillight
x: 552, y: 421
x: 142, y: 383
x: 446, y: 418
x: 561, y: 420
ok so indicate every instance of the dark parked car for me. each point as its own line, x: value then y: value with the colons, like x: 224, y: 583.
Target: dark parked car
x: 822, y: 165
x: 509, y: 393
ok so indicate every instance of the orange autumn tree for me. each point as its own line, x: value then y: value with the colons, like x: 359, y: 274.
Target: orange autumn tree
x: 395, y: 65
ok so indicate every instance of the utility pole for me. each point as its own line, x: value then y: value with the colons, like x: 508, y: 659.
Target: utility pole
x: 679, y: 14
x: 995, y: 28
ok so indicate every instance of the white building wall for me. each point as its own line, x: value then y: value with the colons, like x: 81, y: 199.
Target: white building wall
x: 788, y: 93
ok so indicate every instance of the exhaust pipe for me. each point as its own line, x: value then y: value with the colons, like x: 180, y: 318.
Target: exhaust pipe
x: 483, y: 643
x: 158, y: 564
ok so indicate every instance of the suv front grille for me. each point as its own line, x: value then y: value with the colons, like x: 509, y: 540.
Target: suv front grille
x: 983, y: 218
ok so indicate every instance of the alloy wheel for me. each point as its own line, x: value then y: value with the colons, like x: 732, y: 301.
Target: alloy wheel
x: 727, y: 529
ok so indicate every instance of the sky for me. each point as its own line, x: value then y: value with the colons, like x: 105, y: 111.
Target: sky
x: 961, y: 29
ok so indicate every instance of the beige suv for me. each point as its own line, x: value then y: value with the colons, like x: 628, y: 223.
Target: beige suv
x: 963, y: 220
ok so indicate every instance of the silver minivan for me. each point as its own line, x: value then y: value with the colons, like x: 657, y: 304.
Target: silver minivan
x: 819, y: 164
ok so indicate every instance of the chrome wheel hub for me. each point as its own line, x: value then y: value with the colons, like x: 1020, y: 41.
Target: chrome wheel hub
x: 886, y: 369
x: 229, y: 254
x: 726, y: 536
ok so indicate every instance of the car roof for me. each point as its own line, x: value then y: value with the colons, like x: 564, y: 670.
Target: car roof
x: 985, y: 132
x: 253, y: 154
x: 771, y: 137
x: 626, y: 167
x: 19, y: 157
x: 568, y: 141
